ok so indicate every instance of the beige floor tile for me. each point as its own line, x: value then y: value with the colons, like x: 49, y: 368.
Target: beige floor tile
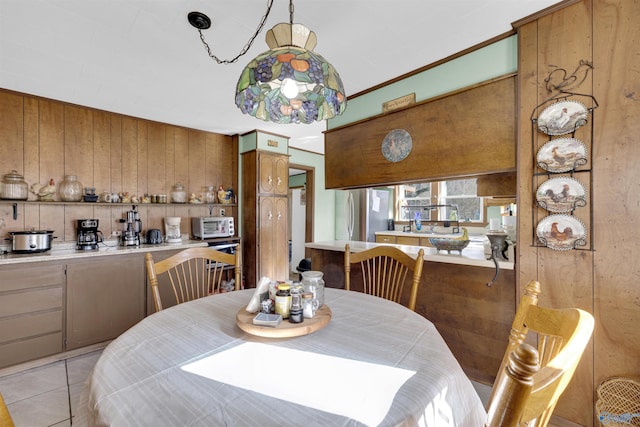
x: 34, y: 382
x: 45, y: 409
x: 79, y: 367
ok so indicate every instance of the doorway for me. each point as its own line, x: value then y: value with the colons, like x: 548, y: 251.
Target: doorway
x: 301, y: 203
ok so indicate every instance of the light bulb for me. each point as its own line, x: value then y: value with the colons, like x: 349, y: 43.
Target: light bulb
x: 289, y: 88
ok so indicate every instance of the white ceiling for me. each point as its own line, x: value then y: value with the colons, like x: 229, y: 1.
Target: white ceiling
x: 142, y: 58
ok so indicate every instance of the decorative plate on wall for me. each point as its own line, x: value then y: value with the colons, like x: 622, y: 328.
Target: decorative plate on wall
x: 396, y: 145
x: 562, y: 117
x: 562, y: 155
x: 562, y: 194
x: 561, y: 232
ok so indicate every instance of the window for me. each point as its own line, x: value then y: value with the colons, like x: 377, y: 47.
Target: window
x: 413, y: 195
x: 460, y: 192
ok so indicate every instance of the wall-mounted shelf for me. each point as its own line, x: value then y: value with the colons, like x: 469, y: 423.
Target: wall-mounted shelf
x: 103, y: 204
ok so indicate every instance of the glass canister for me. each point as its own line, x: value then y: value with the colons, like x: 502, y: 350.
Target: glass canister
x: 14, y: 187
x: 209, y: 195
x: 178, y: 194
x: 312, y: 282
x: 70, y: 189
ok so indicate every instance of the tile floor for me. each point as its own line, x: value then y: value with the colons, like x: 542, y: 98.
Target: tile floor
x: 47, y: 395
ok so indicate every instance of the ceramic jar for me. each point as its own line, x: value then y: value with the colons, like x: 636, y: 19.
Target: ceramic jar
x: 14, y: 187
x: 70, y: 189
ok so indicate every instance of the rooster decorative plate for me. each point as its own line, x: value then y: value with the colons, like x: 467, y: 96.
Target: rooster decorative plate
x: 562, y: 155
x: 561, y: 232
x: 562, y: 117
x: 396, y: 145
x: 561, y: 194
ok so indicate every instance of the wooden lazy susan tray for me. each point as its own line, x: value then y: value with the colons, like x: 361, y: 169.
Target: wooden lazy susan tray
x: 285, y: 329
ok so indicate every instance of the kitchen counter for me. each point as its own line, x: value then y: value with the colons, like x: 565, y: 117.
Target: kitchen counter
x: 67, y: 250
x: 472, y: 255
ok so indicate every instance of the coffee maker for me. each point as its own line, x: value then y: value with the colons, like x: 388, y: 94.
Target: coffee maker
x: 88, y: 234
x: 132, y: 226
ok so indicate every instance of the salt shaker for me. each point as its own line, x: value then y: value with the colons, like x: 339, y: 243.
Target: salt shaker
x: 309, y: 305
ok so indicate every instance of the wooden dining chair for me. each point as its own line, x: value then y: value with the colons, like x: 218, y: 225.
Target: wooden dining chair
x: 384, y: 272
x: 531, y: 380
x: 193, y: 273
x: 5, y: 417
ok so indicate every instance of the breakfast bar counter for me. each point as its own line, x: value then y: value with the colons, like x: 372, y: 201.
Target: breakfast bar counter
x: 473, y: 318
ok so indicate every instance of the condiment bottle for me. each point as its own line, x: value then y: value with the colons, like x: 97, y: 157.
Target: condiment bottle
x: 295, y: 313
x: 283, y: 300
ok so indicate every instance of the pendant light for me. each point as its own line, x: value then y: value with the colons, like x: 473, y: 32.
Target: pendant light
x: 289, y: 83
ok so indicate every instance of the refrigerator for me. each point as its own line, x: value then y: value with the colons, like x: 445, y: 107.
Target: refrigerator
x: 362, y: 212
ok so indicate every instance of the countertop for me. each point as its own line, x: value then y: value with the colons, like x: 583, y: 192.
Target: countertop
x: 67, y: 251
x: 472, y: 255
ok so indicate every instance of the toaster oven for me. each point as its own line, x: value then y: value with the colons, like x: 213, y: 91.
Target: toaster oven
x: 208, y: 227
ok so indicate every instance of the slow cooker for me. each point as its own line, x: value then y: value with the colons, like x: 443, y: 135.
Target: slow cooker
x: 23, y: 242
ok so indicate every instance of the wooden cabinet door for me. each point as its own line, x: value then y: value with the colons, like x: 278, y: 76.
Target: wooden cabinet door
x: 105, y: 297
x: 274, y: 174
x: 281, y: 241
x: 281, y: 166
x: 266, y: 239
x: 273, y: 243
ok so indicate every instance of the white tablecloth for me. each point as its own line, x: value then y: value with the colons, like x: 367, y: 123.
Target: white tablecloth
x: 375, y: 363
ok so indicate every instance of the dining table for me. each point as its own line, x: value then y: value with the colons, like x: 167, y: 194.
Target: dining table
x: 374, y: 363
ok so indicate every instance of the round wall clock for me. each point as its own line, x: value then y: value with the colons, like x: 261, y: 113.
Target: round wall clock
x: 396, y: 145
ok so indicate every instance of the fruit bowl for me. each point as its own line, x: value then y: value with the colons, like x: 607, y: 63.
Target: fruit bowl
x: 444, y: 244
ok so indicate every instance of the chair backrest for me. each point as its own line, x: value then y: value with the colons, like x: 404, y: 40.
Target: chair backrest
x: 384, y: 272
x: 530, y: 381
x: 193, y: 273
x: 5, y: 417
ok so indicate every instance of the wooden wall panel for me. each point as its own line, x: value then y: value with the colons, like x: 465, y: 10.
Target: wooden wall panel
x: 78, y: 142
x: 11, y: 126
x: 617, y: 188
x: 101, y: 172
x: 44, y: 139
x: 601, y: 281
x: 142, y: 160
x: 473, y: 129
x: 129, y: 159
x: 115, y: 158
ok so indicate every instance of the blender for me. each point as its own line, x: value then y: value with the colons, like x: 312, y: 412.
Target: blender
x: 172, y: 229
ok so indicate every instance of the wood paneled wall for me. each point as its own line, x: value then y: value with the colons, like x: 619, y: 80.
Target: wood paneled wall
x: 44, y: 139
x: 603, y: 281
x: 469, y: 132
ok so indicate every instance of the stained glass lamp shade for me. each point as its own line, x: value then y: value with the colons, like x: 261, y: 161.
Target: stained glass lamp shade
x: 290, y: 83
